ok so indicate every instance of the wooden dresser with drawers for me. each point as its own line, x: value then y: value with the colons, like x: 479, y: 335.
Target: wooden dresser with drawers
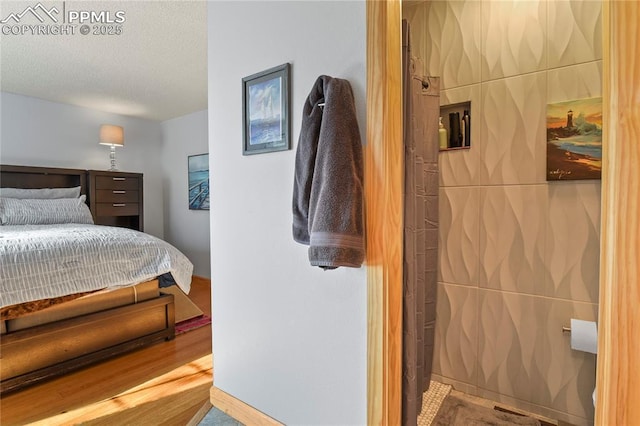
x: 115, y: 198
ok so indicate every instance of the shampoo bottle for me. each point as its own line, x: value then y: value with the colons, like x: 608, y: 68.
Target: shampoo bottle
x: 466, y: 121
x: 442, y: 135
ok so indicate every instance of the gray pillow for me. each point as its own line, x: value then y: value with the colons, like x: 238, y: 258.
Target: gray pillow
x: 40, y: 194
x: 15, y: 211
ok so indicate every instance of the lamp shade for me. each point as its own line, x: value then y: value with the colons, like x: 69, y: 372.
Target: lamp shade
x: 111, y: 135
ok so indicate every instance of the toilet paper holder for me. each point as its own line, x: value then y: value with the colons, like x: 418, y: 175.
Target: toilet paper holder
x: 566, y: 329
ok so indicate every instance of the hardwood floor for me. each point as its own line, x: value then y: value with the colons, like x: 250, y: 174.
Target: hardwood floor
x: 164, y: 384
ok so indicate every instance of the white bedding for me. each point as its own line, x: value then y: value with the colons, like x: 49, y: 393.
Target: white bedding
x: 45, y: 261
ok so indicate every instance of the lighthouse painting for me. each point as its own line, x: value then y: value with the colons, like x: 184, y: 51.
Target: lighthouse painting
x: 574, y: 139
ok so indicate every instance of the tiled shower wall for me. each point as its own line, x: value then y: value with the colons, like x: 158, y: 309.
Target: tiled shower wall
x: 518, y: 256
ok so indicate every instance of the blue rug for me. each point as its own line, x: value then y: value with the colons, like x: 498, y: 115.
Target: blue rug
x: 216, y: 417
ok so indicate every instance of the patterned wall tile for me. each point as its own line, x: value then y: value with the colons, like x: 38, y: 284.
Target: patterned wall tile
x: 510, y: 341
x: 460, y: 167
x: 524, y: 240
x: 575, y: 32
x: 570, y: 375
x: 458, y: 235
x: 513, y: 37
x: 575, y: 82
x: 513, y: 135
x: 512, y: 238
x: 453, y: 42
x: 457, y: 385
x: 456, y: 339
x: 573, y: 241
x: 415, y: 14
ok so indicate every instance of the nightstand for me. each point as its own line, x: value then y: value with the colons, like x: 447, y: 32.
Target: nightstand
x: 115, y: 199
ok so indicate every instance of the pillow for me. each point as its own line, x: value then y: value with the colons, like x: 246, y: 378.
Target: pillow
x: 40, y: 194
x: 14, y: 211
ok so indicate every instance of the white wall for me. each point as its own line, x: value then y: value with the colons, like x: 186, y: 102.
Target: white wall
x: 288, y: 339
x: 41, y: 133
x: 188, y: 230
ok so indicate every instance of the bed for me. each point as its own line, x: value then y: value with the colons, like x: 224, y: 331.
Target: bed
x: 65, y: 283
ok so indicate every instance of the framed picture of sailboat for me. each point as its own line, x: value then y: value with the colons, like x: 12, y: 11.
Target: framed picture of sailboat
x: 265, y: 111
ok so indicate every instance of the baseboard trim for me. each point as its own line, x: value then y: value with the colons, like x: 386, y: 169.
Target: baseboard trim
x: 239, y: 410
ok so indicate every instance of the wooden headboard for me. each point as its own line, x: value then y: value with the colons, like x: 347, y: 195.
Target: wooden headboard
x: 42, y: 177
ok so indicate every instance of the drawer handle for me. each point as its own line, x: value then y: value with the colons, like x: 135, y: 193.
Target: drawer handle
x: 119, y: 192
x: 119, y: 205
x: 119, y: 178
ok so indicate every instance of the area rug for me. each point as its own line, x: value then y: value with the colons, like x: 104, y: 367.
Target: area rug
x: 216, y: 417
x: 192, y: 324
x: 457, y: 412
x: 188, y: 315
x: 185, y: 309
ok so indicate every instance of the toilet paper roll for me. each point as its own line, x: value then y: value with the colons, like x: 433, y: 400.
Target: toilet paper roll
x: 584, y: 336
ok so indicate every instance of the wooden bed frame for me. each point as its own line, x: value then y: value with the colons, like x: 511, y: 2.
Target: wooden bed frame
x: 56, y: 348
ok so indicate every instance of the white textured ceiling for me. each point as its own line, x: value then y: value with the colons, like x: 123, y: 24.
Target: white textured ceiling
x: 155, y: 69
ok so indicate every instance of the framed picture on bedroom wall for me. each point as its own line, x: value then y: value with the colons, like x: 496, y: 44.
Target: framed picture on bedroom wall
x: 265, y: 111
x: 198, y: 170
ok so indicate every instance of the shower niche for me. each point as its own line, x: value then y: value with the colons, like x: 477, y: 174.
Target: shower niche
x: 454, y: 129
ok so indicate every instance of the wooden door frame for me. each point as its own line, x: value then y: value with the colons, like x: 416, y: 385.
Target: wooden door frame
x: 618, y: 379
x: 618, y: 373
x: 384, y: 179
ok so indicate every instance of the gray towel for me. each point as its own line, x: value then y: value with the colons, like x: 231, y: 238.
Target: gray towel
x: 327, y: 192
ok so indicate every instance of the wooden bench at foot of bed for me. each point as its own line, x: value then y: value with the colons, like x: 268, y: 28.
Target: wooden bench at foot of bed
x: 30, y: 355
